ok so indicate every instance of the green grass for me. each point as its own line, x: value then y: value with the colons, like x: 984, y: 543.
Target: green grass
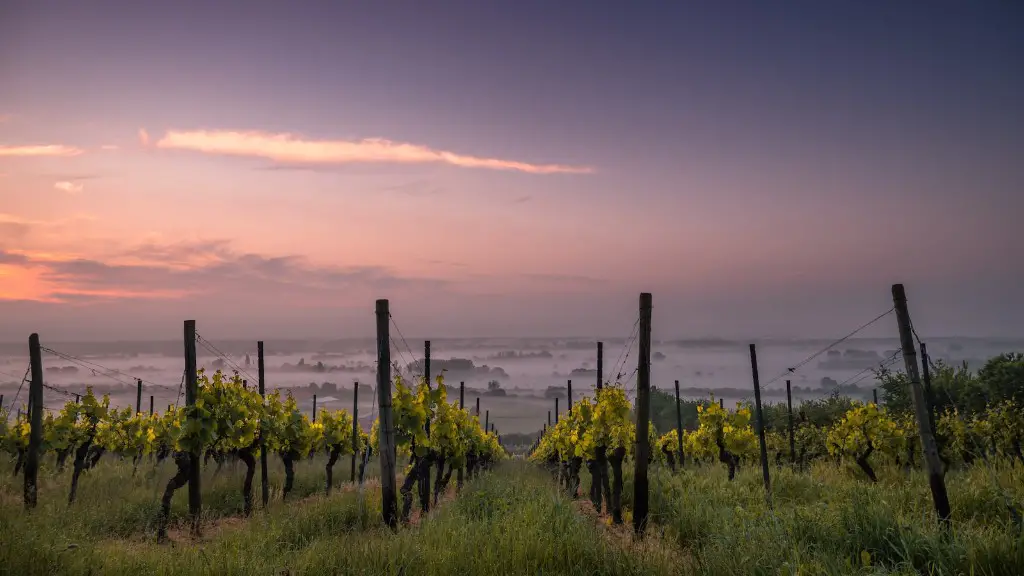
x: 830, y: 520
x: 510, y: 521
x: 514, y: 520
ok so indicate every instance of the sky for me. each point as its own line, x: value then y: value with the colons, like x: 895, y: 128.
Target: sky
x: 521, y: 168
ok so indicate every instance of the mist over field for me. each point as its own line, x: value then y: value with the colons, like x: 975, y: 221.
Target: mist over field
x: 511, y: 376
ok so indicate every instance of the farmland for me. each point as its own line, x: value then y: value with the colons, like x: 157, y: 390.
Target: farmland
x: 919, y: 480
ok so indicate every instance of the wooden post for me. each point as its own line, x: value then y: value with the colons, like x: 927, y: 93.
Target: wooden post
x: 424, y: 480
x: 679, y: 425
x: 568, y: 404
x: 549, y: 418
x: 643, y: 414
x: 78, y: 398
x: 478, y: 407
x: 426, y: 364
x: 928, y: 396
x: 245, y: 384
x: 355, y: 428
x: 191, y: 391
x: 721, y: 403
x: 931, y: 452
x: 138, y: 396
x: 1, y: 400
x: 264, y: 486
x: 487, y: 419
x: 314, y: 408
x: 460, y: 473
x: 760, y: 427
x: 35, y: 418
x: 792, y: 436
x: 556, y: 409
x: 874, y: 394
x: 386, y: 429
x: 600, y: 364
x: 151, y: 405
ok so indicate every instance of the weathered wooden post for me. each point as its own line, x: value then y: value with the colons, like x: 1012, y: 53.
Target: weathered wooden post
x: 35, y: 418
x: 264, y: 486
x: 792, y: 436
x: 478, y: 407
x: 138, y: 396
x: 151, y: 405
x: 679, y: 425
x: 191, y: 391
x: 460, y: 473
x: 556, y: 409
x: 721, y: 403
x: 549, y: 418
x: 643, y: 411
x: 928, y: 396
x: 386, y: 430
x: 568, y: 386
x: 760, y: 427
x: 874, y: 395
x: 1, y: 400
x: 600, y: 364
x: 487, y: 420
x: 931, y: 452
x: 423, y: 483
x: 314, y: 408
x: 355, y: 427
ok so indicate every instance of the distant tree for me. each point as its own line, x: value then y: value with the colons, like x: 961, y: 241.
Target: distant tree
x: 494, y: 388
x: 1002, y: 377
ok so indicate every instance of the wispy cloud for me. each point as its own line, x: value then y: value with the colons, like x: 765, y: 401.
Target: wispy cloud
x: 69, y: 187
x: 109, y: 147
x: 290, y: 148
x: 40, y: 150
x: 210, y: 269
x: 143, y: 137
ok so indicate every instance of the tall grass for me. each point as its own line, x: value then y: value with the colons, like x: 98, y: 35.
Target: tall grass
x: 832, y: 521
x: 509, y: 521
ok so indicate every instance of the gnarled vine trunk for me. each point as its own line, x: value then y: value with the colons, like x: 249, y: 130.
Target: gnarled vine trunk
x: 615, y: 459
x: 81, y: 453
x: 574, y: 476
x: 246, y: 456
x: 671, y: 457
x: 423, y: 483
x: 367, y: 454
x: 420, y: 466
x: 331, y: 459
x: 862, y: 461
x: 602, y: 469
x: 288, y: 458
x: 727, y: 458
x: 62, y: 457
x: 439, y: 479
x: 181, y: 459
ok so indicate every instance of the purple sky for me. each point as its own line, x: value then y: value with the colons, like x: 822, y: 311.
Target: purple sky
x: 765, y: 169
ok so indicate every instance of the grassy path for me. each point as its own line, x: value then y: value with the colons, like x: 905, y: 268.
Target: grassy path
x: 510, y: 521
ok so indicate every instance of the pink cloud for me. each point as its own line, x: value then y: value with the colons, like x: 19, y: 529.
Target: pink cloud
x: 69, y: 187
x: 40, y: 150
x: 294, y: 149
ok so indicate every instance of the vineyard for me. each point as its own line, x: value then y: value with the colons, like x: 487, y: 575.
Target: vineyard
x: 926, y: 479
